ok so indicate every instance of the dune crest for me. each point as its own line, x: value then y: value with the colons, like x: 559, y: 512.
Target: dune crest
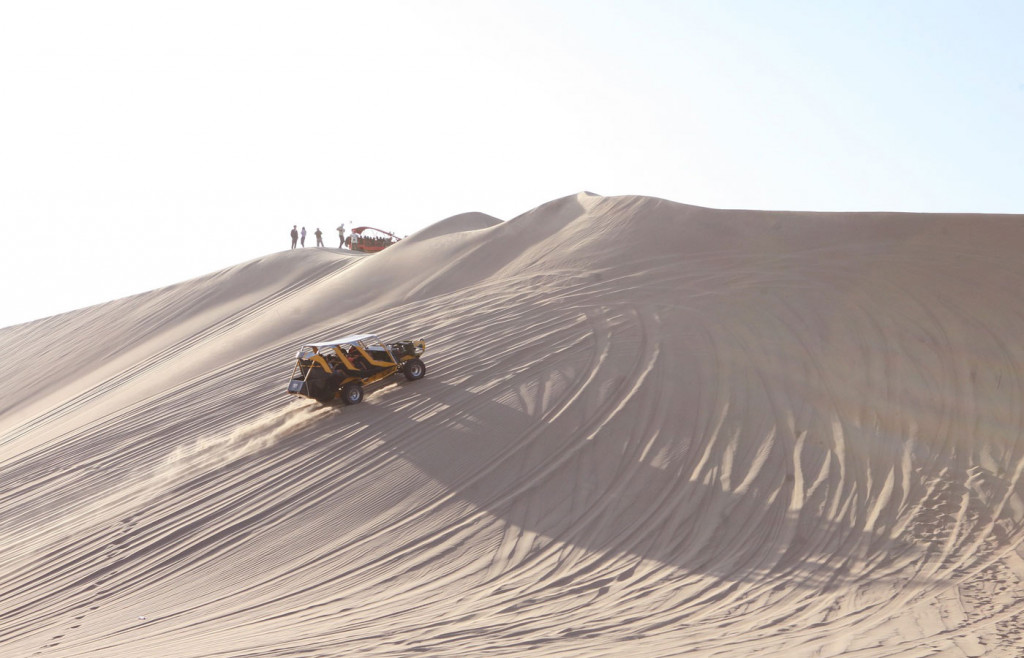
x: 647, y: 428
x: 470, y: 221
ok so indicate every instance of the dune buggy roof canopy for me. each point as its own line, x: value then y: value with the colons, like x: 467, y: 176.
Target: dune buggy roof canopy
x: 359, y: 231
x: 344, y: 340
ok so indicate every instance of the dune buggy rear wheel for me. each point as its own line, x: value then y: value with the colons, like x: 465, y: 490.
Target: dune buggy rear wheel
x: 414, y: 369
x: 352, y: 393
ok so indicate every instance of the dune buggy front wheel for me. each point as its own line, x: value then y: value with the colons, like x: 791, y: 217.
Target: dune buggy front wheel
x: 414, y: 369
x: 352, y: 393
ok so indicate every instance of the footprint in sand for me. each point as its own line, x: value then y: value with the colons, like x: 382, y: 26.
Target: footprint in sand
x: 114, y: 548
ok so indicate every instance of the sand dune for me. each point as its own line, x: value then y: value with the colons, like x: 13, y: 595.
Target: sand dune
x: 646, y: 429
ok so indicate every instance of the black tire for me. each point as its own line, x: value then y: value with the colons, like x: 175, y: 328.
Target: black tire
x: 351, y: 393
x: 325, y: 390
x: 414, y: 369
x: 320, y: 386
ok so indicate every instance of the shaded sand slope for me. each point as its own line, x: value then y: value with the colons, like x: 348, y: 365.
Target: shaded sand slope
x: 646, y: 429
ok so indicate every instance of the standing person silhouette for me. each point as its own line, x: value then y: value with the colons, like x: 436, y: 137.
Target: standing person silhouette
x: 302, y: 237
x: 295, y: 236
x: 341, y: 235
x: 319, y: 237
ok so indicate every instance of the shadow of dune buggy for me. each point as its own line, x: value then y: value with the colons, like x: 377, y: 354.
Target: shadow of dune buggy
x: 340, y: 369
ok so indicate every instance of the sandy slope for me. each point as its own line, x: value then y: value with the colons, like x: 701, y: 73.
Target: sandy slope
x: 646, y: 429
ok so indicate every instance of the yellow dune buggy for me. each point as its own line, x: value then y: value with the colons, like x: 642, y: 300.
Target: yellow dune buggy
x: 341, y: 368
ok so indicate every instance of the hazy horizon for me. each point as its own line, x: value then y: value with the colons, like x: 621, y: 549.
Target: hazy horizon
x: 145, y: 145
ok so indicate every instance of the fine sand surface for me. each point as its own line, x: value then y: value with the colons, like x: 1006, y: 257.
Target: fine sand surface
x: 646, y: 429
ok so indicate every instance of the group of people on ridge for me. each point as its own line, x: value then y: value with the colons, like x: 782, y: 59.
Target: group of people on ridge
x: 299, y: 238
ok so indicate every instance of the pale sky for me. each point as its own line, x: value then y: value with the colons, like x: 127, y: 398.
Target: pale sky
x: 145, y: 143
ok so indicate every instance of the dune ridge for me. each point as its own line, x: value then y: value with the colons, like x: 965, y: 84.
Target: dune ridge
x: 647, y: 428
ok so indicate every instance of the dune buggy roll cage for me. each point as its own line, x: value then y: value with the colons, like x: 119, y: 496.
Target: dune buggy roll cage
x: 321, y: 369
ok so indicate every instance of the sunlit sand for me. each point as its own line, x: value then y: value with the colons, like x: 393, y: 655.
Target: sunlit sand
x: 646, y: 429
